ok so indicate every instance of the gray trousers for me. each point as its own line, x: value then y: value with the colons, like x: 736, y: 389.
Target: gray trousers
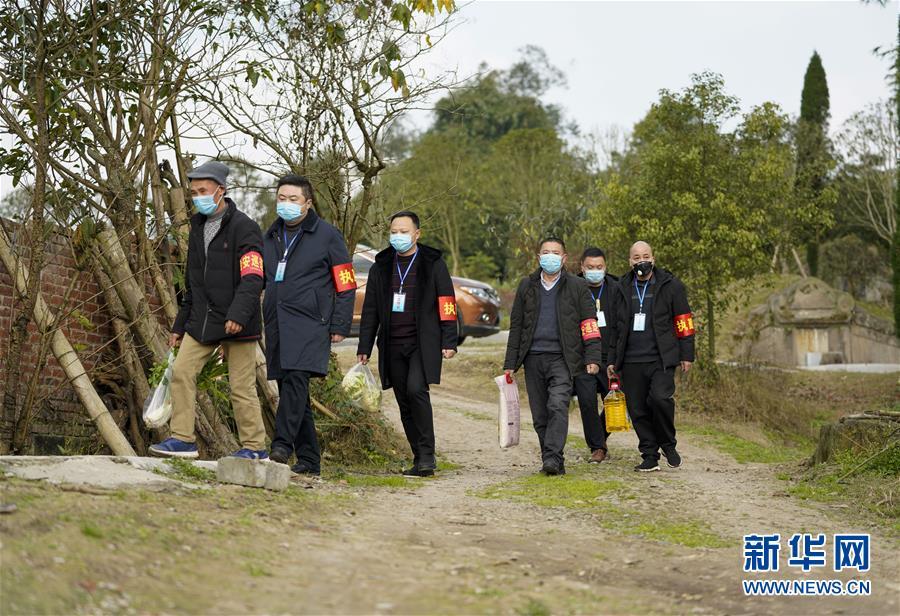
x: 549, y: 387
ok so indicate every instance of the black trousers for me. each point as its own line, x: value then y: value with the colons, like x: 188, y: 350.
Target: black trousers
x: 649, y: 389
x: 549, y: 387
x: 407, y: 374
x: 295, y: 428
x: 587, y: 388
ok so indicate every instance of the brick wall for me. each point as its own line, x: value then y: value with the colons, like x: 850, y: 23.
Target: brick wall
x: 60, y: 420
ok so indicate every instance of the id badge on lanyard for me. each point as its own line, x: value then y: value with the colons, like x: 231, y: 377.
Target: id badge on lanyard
x: 282, y: 265
x: 601, y: 316
x: 399, y: 302
x: 640, y: 319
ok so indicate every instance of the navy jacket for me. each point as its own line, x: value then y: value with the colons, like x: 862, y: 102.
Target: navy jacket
x: 225, y: 285
x: 302, y: 311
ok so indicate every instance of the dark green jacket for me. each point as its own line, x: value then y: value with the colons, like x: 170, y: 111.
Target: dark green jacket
x: 574, y: 306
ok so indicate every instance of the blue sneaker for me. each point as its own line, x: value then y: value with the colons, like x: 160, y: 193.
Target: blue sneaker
x: 251, y: 454
x: 174, y: 448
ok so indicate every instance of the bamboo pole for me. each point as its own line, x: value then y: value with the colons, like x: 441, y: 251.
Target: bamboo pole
x: 68, y: 359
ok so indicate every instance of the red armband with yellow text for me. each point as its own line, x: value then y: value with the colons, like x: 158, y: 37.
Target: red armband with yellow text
x: 684, y: 325
x: 447, y: 308
x: 251, y: 264
x: 589, y: 329
x: 344, y: 277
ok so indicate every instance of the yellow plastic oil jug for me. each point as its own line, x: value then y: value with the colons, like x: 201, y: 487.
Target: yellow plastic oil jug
x: 615, y: 410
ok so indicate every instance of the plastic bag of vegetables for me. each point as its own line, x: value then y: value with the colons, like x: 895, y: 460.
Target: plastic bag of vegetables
x: 158, y: 407
x: 362, y: 388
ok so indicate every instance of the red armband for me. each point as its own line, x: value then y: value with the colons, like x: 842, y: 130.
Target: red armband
x: 589, y: 329
x: 344, y: 277
x: 684, y: 325
x: 251, y: 264
x: 447, y: 308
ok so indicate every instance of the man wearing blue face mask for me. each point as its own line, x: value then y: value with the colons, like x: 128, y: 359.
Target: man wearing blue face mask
x: 410, y: 308
x: 589, y: 386
x: 220, y: 307
x: 308, y: 306
x: 553, y: 332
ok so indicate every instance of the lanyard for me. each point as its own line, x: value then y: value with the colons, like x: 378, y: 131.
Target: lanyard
x: 403, y: 275
x: 599, y: 293
x: 287, y: 247
x: 641, y: 295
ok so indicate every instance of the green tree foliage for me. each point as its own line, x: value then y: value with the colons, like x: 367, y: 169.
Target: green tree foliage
x: 501, y: 101
x: 706, y: 198
x: 813, y: 154
x: 493, y: 174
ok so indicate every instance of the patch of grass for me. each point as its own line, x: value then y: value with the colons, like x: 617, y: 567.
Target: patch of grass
x: 567, y: 491
x: 877, y: 310
x: 185, y: 470
x: 688, y: 534
x: 382, y: 481
x: 446, y: 465
x: 473, y: 415
x: 744, y: 450
x: 613, y: 501
x: 256, y: 570
x: 858, y: 480
x: 534, y: 607
x: 89, y: 530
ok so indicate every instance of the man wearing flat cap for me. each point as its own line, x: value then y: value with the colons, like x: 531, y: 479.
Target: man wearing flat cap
x: 220, y: 307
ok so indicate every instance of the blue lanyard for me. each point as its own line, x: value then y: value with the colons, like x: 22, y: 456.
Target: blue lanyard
x: 287, y: 248
x: 641, y: 295
x: 408, y: 267
x: 599, y: 293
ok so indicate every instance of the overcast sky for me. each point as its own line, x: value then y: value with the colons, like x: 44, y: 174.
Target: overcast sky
x: 618, y: 55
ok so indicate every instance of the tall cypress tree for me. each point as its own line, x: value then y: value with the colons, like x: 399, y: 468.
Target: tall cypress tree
x: 812, y: 147
x: 895, y: 245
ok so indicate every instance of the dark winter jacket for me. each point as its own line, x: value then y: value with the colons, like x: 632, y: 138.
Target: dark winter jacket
x: 576, y: 314
x: 605, y: 294
x: 314, y: 300
x: 436, y: 317
x: 222, y: 283
x: 672, y: 320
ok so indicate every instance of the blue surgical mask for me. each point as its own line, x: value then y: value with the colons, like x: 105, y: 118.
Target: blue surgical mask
x: 594, y: 276
x: 551, y: 263
x: 205, y: 204
x: 288, y: 210
x: 401, y: 241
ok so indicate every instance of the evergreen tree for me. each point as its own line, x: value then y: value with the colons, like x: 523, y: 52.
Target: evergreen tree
x: 813, y: 157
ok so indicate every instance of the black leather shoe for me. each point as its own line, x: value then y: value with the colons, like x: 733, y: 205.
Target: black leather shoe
x: 280, y: 455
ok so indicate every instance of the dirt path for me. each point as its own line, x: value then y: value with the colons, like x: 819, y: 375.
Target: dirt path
x: 441, y: 546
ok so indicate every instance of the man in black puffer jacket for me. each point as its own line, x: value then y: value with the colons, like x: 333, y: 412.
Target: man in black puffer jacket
x: 223, y: 282
x: 553, y: 331
x: 651, y: 335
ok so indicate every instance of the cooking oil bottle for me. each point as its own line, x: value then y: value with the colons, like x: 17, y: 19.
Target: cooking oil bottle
x: 614, y: 408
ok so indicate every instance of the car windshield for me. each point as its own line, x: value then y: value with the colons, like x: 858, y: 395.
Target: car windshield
x: 361, y: 264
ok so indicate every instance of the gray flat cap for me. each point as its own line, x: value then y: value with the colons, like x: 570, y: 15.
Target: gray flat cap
x: 210, y: 170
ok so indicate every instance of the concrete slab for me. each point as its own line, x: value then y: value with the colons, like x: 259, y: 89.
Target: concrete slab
x: 106, y: 472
